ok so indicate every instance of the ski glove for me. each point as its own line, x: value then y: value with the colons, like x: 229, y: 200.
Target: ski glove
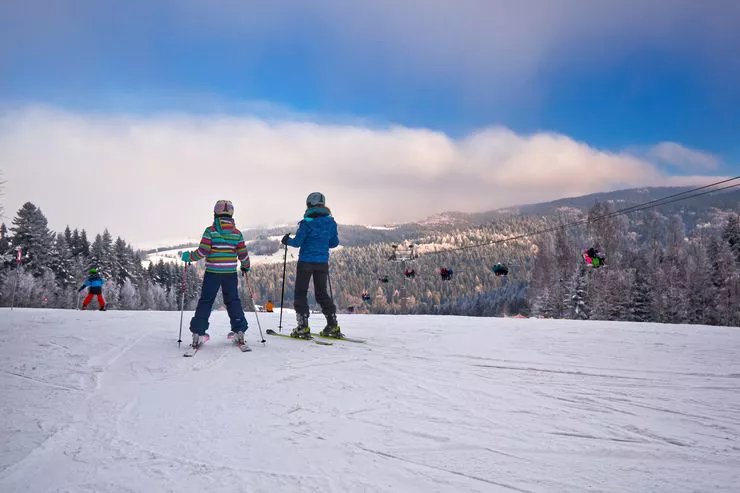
x: 245, y: 268
x: 285, y: 239
x: 185, y: 257
x: 80, y: 290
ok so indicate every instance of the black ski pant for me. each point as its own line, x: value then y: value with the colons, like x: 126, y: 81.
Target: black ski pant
x: 320, y: 274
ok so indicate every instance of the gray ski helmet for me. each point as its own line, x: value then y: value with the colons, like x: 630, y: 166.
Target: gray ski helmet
x: 223, y: 207
x: 315, y: 198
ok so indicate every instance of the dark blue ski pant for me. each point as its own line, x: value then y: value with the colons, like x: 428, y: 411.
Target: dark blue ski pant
x: 229, y: 285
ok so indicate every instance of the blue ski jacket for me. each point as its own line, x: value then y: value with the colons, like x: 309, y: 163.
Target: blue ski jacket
x: 316, y: 234
x: 94, y: 282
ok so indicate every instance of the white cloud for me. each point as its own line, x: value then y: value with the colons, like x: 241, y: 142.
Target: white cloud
x: 147, y: 178
x: 681, y: 157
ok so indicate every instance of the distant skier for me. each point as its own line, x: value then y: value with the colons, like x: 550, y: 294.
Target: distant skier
x: 94, y: 284
x: 269, y: 307
x: 222, y: 245
x: 317, y: 233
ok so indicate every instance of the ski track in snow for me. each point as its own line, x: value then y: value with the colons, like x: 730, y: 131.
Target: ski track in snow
x: 105, y: 402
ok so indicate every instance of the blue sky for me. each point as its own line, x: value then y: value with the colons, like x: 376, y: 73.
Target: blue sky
x: 612, y: 76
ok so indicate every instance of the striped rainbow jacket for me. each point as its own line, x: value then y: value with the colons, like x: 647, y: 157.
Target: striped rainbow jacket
x: 222, y: 244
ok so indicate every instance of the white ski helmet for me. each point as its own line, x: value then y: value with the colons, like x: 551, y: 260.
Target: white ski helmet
x: 223, y: 207
x: 315, y: 198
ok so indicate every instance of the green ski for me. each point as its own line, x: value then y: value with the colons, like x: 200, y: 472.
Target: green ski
x: 320, y: 342
x: 348, y: 339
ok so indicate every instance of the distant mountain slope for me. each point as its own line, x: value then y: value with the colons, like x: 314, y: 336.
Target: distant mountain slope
x: 445, y: 222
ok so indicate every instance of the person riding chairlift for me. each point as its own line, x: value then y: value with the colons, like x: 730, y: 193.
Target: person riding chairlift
x: 500, y: 270
x: 409, y: 273
x: 593, y: 257
x: 445, y: 273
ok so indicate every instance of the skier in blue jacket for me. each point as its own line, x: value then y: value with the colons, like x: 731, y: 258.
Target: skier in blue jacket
x: 94, y: 284
x: 316, y: 234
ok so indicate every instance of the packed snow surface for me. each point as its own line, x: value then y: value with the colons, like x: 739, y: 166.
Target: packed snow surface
x: 105, y: 402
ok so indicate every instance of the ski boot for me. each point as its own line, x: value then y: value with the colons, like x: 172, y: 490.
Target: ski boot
x: 238, y: 338
x: 198, y: 340
x: 302, y: 331
x: 332, y: 327
x: 103, y: 308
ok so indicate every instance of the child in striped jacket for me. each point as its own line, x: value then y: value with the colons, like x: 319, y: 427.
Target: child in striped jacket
x: 224, y: 249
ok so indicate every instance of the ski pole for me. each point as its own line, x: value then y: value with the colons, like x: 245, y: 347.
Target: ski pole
x: 251, y: 296
x: 282, y: 294
x: 182, y: 299
x: 17, y: 277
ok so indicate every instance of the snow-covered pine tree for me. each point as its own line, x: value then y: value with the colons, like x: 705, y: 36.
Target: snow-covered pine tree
x: 676, y: 234
x: 26, y: 290
x: 31, y: 232
x: 555, y: 307
x: 162, y: 275
x: 68, y: 238
x: 74, y: 242
x: 107, y: 265
x: 123, y: 262
x: 579, y: 307
x: 97, y: 255
x: 700, y: 301
x: 731, y: 234
x: 641, y: 297
x: 64, y: 265
x: 724, y: 281
x: 671, y: 277
x: 193, y: 284
x: 598, y: 294
x: 6, y: 254
x: 4, y: 239
x: 129, y: 298
x: 6, y: 250
x: 565, y: 254
x: 619, y: 282
x: 84, y: 245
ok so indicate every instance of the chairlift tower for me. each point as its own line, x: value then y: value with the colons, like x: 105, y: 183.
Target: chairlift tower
x: 403, y: 253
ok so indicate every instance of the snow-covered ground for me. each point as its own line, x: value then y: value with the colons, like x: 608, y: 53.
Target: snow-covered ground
x: 104, y: 402
x: 166, y: 256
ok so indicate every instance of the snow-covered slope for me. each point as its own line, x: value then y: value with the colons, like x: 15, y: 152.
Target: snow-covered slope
x: 166, y: 256
x: 104, y: 402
